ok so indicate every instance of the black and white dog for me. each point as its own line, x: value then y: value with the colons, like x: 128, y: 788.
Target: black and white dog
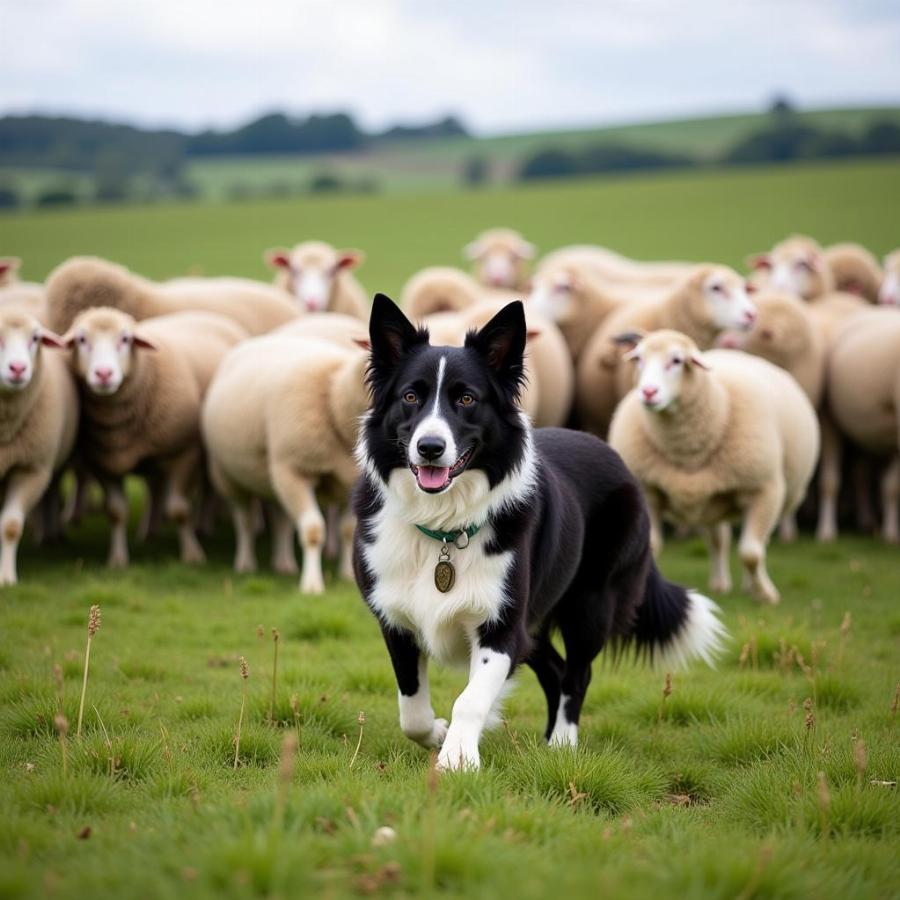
x: 478, y: 536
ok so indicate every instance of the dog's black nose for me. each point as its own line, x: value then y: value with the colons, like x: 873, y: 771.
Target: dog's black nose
x: 431, y: 447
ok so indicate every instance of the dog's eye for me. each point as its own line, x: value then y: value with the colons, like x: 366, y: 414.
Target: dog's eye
x: 411, y: 397
x: 466, y: 400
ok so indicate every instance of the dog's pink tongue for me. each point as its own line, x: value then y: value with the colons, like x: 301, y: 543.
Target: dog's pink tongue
x: 433, y: 476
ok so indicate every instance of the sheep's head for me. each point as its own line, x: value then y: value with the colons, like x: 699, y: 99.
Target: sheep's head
x: 311, y: 270
x: 9, y: 269
x: 782, y: 332
x: 21, y: 339
x: 721, y: 297
x: 889, y: 294
x: 557, y: 295
x: 500, y: 256
x: 665, y: 361
x: 105, y: 341
x: 796, y: 265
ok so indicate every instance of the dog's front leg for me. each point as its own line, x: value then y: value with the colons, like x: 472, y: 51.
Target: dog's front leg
x: 414, y: 698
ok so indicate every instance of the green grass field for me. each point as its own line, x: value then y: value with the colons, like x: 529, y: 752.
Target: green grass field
x: 729, y: 787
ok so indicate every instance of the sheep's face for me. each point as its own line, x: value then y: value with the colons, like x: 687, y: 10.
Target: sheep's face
x: 889, y: 293
x: 796, y: 266
x: 21, y: 338
x: 311, y: 272
x: 499, y: 260
x: 727, y: 300
x: 105, y: 350
x: 781, y: 333
x: 664, y: 360
x: 555, y: 297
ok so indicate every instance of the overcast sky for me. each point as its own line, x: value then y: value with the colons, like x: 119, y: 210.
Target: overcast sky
x: 502, y: 66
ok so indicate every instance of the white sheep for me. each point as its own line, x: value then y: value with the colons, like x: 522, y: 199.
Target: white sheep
x: 863, y: 393
x: 710, y: 300
x: 889, y: 292
x: 500, y: 258
x: 9, y: 270
x: 715, y: 437
x: 796, y: 265
x: 346, y: 331
x: 320, y: 278
x: 85, y: 282
x: 438, y: 289
x: 854, y: 269
x: 280, y: 423
x: 142, y: 386
x: 38, y: 423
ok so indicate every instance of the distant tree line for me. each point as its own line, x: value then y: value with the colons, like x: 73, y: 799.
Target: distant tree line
x: 785, y: 138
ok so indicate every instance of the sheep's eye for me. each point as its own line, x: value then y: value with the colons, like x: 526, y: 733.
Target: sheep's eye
x: 82, y: 339
x: 677, y: 360
x: 35, y: 338
x: 411, y: 397
x: 125, y: 340
x: 466, y: 399
x: 803, y: 265
x: 716, y: 287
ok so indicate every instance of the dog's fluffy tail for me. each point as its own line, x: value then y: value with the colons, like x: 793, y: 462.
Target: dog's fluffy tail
x: 675, y: 625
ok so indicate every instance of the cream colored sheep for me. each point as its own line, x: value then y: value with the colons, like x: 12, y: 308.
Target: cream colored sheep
x: 863, y: 394
x: 716, y: 437
x: 9, y: 270
x: 346, y: 331
x: 889, y: 292
x: 500, y: 258
x: 855, y: 270
x: 142, y: 385
x: 85, y: 282
x: 320, y: 278
x: 27, y: 297
x: 38, y: 422
x: 280, y: 423
x: 439, y: 289
x: 711, y: 300
x: 615, y: 269
x: 796, y: 265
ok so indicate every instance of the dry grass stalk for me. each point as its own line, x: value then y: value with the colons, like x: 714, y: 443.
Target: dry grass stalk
x: 666, y: 693
x: 361, y: 718
x: 93, y: 628
x: 245, y: 674
x: 275, y: 637
x: 809, y: 720
x: 295, y: 712
x: 61, y: 724
x: 109, y: 746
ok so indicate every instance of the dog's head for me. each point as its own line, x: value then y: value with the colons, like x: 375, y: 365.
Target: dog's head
x: 441, y: 412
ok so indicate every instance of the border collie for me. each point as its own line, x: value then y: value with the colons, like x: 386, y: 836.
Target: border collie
x: 478, y: 537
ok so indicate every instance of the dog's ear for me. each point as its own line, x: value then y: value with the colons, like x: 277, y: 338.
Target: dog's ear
x: 502, y: 343
x: 391, y: 334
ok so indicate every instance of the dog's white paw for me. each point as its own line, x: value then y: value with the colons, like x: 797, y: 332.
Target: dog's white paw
x: 458, y: 753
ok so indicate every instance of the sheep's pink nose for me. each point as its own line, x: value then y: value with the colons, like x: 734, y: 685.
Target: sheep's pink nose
x: 750, y: 316
x: 103, y: 374
x: 649, y: 392
x: 17, y: 368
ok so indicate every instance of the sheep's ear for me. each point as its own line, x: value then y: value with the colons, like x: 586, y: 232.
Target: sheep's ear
x: 279, y: 258
x: 759, y: 261
x: 629, y: 339
x: 143, y: 343
x: 474, y: 250
x: 68, y: 340
x: 533, y: 334
x: 391, y: 334
x: 365, y: 343
x: 502, y: 343
x: 9, y: 264
x: 349, y: 259
x: 525, y: 250
x: 750, y: 287
x: 49, y: 339
x: 695, y: 359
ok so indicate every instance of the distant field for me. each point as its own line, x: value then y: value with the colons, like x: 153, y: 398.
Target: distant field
x: 718, y: 215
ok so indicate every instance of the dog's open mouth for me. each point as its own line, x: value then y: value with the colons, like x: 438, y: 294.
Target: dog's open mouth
x: 434, y: 479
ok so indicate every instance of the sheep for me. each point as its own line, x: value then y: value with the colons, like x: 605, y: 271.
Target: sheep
x: 142, y: 385
x: 38, y: 423
x: 320, y: 278
x: 614, y: 268
x: 714, y: 437
x: 27, y: 297
x: 863, y: 391
x: 711, y: 300
x: 889, y: 292
x: 439, y: 289
x: 85, y: 282
x: 855, y: 270
x: 797, y: 265
x: 500, y: 258
x: 296, y: 403
x: 9, y: 270
x: 346, y: 331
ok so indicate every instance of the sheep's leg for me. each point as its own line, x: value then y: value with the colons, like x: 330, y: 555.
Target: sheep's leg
x: 890, y: 498
x: 654, y: 509
x: 862, y: 494
x: 718, y: 538
x: 79, y: 500
x: 787, y: 528
x: 759, y: 521
x: 152, y: 511
x: 117, y: 512
x: 183, y: 471
x: 332, y: 531
x: 245, y: 535
x: 23, y: 491
x: 348, y: 528
x: 829, y: 479
x: 283, y: 559
x: 297, y: 495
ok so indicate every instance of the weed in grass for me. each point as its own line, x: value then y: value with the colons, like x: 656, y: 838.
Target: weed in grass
x: 61, y: 723
x: 361, y: 719
x: 275, y: 637
x: 245, y: 675
x: 93, y: 628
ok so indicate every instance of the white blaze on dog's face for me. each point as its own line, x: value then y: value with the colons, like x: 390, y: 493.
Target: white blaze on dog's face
x: 21, y: 338
x: 663, y: 360
x: 728, y: 301
x: 105, y: 348
x: 312, y: 269
x: 553, y: 297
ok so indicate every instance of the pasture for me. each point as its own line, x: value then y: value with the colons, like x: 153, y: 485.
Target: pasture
x: 772, y: 776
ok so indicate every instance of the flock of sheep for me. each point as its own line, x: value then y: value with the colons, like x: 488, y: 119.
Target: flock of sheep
x: 722, y: 393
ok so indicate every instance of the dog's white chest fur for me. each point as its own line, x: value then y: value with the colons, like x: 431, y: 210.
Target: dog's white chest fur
x: 402, y: 560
